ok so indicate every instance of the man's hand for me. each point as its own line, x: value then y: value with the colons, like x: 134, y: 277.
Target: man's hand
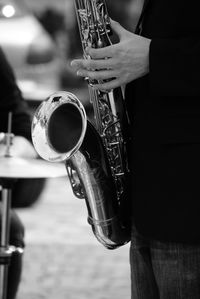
x: 20, y: 147
x: 121, y: 63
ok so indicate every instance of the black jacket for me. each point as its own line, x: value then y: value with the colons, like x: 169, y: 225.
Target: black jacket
x: 164, y: 108
x: 11, y: 100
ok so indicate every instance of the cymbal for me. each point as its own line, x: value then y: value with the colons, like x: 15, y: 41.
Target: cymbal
x: 29, y: 168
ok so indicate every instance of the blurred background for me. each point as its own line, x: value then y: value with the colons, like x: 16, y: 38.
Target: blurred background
x: 62, y: 257
x: 40, y: 38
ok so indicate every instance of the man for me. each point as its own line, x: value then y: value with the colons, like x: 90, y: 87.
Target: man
x: 160, y: 68
x: 11, y: 101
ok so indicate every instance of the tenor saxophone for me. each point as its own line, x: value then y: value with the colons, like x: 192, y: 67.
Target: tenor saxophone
x: 95, y: 155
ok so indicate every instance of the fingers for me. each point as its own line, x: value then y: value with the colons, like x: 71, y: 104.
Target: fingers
x: 100, y: 75
x: 101, y: 53
x: 106, y: 86
x: 95, y: 70
x: 91, y: 64
x: 97, y: 75
x: 100, y: 70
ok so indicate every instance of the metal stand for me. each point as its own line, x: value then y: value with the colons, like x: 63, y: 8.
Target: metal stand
x: 5, y: 249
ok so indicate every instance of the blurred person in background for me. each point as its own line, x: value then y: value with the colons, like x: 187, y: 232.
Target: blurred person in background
x: 12, y: 101
x: 159, y: 65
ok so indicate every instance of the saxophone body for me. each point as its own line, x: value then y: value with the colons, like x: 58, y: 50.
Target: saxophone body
x: 95, y: 155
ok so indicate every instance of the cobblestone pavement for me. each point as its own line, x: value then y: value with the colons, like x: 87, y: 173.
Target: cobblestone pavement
x: 63, y: 259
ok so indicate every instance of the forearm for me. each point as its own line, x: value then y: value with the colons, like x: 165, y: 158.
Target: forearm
x: 21, y: 121
x: 12, y: 101
x: 23, y: 147
x: 20, y: 126
x: 20, y: 147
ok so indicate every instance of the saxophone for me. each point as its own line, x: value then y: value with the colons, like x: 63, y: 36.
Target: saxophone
x: 95, y: 155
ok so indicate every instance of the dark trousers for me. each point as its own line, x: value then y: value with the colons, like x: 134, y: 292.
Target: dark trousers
x: 162, y: 270
x: 15, y: 267
x: 25, y: 193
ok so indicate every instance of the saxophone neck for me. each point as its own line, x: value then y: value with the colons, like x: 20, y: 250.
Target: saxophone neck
x: 94, y: 23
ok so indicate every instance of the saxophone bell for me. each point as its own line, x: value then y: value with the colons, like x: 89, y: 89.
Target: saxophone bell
x: 58, y: 127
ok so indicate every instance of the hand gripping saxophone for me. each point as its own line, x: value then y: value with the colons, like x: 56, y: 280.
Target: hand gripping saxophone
x: 95, y: 155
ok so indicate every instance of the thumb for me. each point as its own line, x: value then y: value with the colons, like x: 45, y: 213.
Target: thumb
x: 119, y: 30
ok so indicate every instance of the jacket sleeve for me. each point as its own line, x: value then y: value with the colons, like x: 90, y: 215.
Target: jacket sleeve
x: 174, y: 66
x: 11, y: 100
